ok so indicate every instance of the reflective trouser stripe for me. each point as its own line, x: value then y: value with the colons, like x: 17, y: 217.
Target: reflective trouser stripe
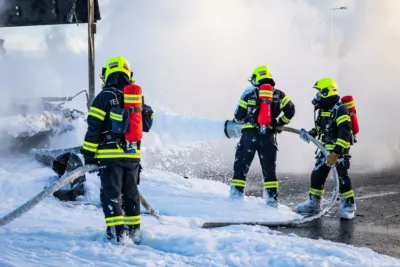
x: 116, y: 220
x: 132, y: 220
x: 238, y: 183
x: 272, y: 184
x: 347, y: 194
x: 92, y: 147
x: 316, y: 192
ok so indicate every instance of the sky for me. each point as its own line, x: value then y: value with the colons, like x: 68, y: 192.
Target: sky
x: 194, y: 57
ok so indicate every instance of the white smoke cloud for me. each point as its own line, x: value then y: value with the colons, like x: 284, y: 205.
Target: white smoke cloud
x: 194, y: 57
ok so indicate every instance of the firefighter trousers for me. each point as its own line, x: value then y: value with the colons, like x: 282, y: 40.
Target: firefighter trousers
x: 119, y: 194
x: 321, y: 172
x: 250, y: 143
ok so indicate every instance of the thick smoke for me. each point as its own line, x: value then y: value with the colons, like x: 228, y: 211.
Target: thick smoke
x: 369, y: 70
x: 194, y: 57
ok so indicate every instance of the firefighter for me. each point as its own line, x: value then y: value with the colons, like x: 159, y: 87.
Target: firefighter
x: 253, y: 139
x: 118, y: 167
x: 333, y: 128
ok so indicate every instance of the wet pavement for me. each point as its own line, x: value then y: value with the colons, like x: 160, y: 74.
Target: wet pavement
x: 377, y: 222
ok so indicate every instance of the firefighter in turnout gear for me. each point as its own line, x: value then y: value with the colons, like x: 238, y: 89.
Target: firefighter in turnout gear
x: 119, y: 166
x: 333, y: 128
x: 256, y: 139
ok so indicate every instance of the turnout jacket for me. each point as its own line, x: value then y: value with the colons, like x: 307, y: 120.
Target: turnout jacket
x: 249, y: 104
x: 100, y: 142
x: 333, y: 125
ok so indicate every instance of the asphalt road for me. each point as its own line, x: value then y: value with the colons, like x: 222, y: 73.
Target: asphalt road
x: 377, y: 222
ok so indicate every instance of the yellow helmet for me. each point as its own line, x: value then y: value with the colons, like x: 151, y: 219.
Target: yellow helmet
x: 260, y: 73
x: 327, y: 87
x: 116, y: 64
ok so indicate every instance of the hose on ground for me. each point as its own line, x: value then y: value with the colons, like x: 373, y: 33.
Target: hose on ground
x: 65, y: 179
x: 231, y: 130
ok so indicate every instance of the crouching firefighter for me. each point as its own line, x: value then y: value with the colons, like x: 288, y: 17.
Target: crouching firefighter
x: 258, y: 110
x: 116, y: 121
x: 335, y: 126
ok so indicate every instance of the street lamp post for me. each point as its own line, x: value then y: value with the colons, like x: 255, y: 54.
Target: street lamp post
x: 91, y: 32
x: 333, y: 9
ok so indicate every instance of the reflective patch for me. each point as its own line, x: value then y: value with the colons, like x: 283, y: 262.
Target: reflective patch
x: 126, y: 67
x: 113, y: 65
x: 262, y: 72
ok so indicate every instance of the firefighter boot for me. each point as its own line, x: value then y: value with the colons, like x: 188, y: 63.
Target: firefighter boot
x: 236, y: 192
x: 312, y: 205
x: 347, y: 208
x: 271, y: 198
x: 134, y: 233
x: 116, y: 234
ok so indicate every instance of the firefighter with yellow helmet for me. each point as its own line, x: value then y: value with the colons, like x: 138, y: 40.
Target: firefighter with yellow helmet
x: 333, y: 127
x: 256, y: 139
x: 118, y: 167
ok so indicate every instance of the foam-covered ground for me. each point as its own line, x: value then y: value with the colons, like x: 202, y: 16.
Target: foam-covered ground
x: 61, y: 234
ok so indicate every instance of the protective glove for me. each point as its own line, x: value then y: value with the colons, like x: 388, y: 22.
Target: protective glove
x: 332, y: 159
x: 272, y: 128
x: 276, y: 125
x: 313, y: 132
x: 304, y: 136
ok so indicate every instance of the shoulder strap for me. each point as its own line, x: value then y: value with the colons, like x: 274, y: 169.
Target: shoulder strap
x: 112, y: 91
x: 335, y: 109
x: 255, y: 92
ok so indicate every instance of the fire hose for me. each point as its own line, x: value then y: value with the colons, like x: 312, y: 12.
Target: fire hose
x: 65, y: 179
x: 233, y: 129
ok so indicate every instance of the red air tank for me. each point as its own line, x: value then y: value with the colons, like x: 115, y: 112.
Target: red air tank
x: 265, y: 115
x: 348, y: 101
x: 133, y: 101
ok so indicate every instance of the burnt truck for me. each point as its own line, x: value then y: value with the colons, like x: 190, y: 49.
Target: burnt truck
x: 28, y: 125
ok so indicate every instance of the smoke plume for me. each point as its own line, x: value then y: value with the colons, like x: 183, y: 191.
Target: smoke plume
x: 194, y: 58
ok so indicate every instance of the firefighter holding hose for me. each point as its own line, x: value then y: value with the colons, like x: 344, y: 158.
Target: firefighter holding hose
x: 336, y: 125
x: 116, y: 121
x: 258, y: 110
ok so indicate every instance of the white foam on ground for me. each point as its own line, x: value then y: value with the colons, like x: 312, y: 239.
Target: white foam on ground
x: 59, y: 234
